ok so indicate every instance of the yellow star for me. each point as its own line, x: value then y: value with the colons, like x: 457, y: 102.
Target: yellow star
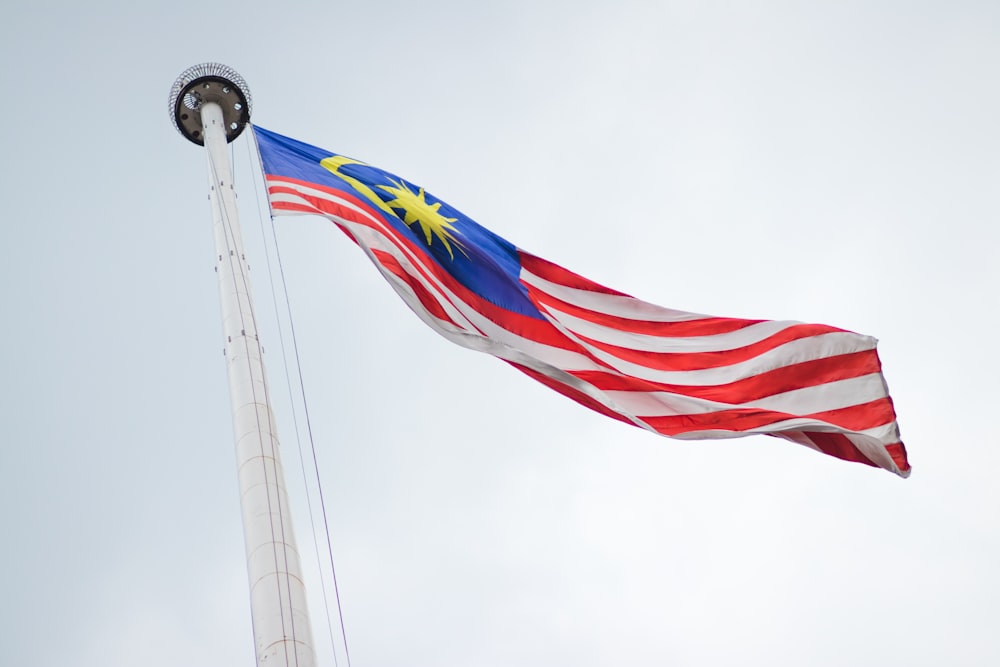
x: 418, y: 210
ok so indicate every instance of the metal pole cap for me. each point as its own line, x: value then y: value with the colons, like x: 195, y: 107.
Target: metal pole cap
x: 209, y: 82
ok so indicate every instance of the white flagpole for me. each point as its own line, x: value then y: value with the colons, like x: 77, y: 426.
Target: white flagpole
x: 210, y: 105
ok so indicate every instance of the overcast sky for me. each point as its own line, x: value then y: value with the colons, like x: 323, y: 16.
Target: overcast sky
x: 833, y: 162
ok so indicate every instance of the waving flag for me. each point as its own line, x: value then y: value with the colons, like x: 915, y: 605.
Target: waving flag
x: 675, y: 373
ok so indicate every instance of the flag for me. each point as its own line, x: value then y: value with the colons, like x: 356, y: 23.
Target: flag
x: 674, y: 373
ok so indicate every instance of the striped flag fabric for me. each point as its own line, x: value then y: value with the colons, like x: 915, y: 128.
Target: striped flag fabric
x: 674, y: 373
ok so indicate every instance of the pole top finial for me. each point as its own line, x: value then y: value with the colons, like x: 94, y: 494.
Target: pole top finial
x: 209, y: 82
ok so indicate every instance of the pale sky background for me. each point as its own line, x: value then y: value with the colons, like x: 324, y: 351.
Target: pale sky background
x: 834, y: 162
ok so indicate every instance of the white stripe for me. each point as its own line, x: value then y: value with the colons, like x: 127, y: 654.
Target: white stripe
x: 729, y: 340
x: 819, y: 398
x: 828, y: 396
x: 886, y: 433
x: 790, y: 353
x: 317, y: 194
x: 308, y: 191
x: 874, y: 449
x: 610, y: 304
x: 287, y: 198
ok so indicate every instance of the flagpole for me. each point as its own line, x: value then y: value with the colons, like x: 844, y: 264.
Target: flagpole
x: 210, y: 106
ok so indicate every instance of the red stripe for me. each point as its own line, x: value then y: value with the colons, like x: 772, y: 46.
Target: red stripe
x: 322, y: 205
x: 429, y: 302
x: 556, y: 274
x: 705, y: 326
x: 570, y: 392
x: 735, y: 421
x: 693, y: 361
x: 854, y: 418
x: 290, y: 206
x: 859, y: 417
x: 838, y: 445
x: 898, y: 453
x: 349, y: 235
x: 769, y: 383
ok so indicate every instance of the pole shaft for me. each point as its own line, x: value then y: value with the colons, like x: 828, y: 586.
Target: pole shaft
x: 282, y: 633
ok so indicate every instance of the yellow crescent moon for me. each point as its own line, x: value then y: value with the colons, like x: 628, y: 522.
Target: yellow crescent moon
x: 333, y: 165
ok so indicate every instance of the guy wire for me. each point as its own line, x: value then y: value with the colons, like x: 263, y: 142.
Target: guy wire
x: 305, y: 406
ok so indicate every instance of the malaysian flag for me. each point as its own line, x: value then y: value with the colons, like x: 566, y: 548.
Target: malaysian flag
x: 671, y: 372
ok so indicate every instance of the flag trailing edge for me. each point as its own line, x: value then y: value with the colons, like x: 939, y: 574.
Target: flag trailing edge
x: 675, y: 373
